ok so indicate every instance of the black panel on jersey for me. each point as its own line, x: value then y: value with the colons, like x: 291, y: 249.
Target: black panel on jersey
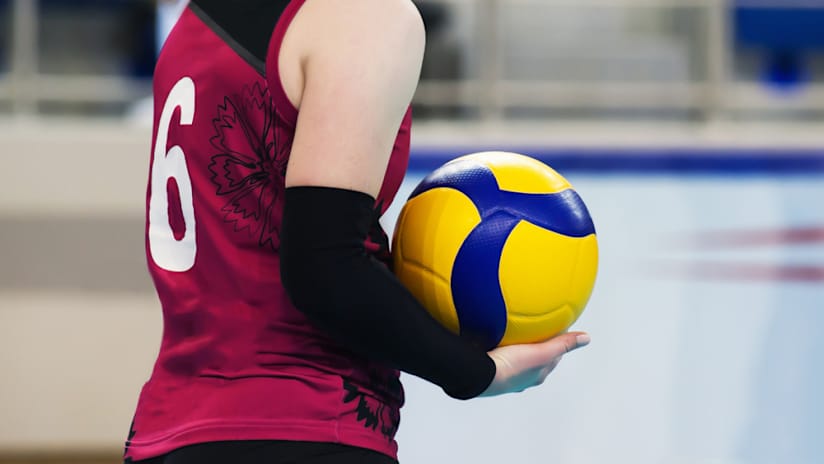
x: 245, y: 25
x: 269, y: 451
x: 352, y: 296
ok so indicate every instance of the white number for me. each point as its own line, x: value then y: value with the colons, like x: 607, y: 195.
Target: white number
x: 169, y: 253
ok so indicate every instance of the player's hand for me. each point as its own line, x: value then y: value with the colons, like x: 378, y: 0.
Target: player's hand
x: 523, y: 366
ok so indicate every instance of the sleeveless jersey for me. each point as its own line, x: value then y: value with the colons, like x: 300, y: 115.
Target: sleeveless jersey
x: 237, y: 361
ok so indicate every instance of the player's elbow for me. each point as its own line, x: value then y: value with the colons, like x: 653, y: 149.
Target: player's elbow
x: 322, y: 236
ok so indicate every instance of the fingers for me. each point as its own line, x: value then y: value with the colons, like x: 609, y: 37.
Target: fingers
x: 564, y: 343
x: 519, y: 367
x: 582, y: 339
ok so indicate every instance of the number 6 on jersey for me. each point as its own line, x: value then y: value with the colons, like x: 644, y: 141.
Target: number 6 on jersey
x: 167, y: 251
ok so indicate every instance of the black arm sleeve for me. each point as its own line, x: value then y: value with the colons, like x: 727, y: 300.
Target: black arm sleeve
x: 346, y: 292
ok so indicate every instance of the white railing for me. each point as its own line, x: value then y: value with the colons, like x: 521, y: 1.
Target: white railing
x: 488, y: 90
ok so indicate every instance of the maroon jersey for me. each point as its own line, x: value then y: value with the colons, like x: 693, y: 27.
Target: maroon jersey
x: 237, y: 361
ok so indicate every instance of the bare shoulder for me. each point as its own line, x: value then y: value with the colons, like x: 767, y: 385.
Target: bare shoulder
x: 360, y: 69
x: 337, y: 36
x: 383, y: 22
x: 391, y: 13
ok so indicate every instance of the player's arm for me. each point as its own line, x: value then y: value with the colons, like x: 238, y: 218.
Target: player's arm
x: 359, y: 72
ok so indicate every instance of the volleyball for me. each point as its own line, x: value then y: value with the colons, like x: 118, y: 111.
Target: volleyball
x: 498, y: 247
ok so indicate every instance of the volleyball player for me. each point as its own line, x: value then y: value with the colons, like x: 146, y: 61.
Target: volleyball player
x: 281, y: 134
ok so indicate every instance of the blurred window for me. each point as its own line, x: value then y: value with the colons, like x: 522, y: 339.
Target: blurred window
x: 5, y: 36
x: 598, y: 43
x: 779, y: 45
x: 110, y: 37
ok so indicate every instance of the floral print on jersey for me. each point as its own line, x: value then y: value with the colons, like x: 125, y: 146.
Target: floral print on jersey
x: 248, y: 170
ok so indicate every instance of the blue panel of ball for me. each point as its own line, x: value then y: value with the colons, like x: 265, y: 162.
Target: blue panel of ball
x: 562, y: 212
x: 476, y: 289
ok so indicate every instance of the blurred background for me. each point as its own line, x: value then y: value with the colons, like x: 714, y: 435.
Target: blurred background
x: 693, y: 129
x: 680, y: 60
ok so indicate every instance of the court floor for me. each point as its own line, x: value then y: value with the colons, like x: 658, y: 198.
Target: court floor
x: 706, y: 322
